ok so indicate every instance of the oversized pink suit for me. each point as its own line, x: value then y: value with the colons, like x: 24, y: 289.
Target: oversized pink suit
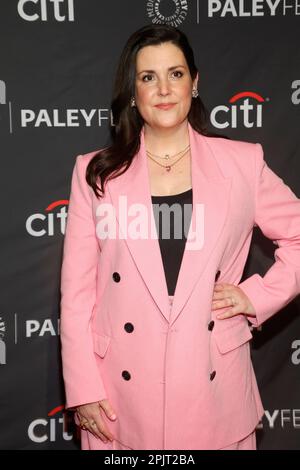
x: 176, y: 376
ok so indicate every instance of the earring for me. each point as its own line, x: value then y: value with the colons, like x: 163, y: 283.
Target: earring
x: 132, y: 102
x: 195, y: 93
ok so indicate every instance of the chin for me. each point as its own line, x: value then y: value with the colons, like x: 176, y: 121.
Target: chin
x: 168, y: 124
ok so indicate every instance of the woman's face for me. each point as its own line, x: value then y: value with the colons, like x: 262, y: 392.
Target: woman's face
x: 163, y: 76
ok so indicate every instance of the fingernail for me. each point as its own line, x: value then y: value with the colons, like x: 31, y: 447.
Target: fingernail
x: 113, y: 416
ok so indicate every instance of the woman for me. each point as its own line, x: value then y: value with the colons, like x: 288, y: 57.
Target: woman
x: 155, y: 331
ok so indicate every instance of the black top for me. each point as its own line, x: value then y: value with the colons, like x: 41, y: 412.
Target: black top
x: 172, y: 226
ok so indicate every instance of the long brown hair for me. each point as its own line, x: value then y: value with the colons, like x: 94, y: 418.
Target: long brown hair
x: 125, y: 134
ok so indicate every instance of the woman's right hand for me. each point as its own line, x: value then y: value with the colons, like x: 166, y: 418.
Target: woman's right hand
x: 90, y: 418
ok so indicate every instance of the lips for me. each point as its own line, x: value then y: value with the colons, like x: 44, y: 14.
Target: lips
x: 165, y: 105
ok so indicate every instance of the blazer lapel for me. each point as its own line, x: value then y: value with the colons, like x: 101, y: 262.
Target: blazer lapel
x: 211, y: 192
x: 210, y: 205
x: 134, y: 184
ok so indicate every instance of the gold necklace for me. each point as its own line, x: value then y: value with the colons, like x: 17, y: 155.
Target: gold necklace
x: 167, y: 156
x: 168, y: 167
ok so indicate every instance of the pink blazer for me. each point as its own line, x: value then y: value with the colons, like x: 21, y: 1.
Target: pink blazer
x: 177, y: 377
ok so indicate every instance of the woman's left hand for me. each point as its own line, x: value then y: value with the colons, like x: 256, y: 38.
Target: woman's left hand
x: 229, y: 295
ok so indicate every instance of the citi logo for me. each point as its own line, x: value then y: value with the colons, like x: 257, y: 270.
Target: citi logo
x: 244, y: 110
x: 45, y: 10
x: 54, y: 218
x: 50, y: 429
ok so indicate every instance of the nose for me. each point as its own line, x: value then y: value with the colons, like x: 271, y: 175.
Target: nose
x: 163, y: 87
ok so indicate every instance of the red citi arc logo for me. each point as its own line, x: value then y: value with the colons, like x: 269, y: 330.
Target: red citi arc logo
x: 56, y: 410
x: 245, y: 110
x: 50, y: 429
x: 244, y: 94
x: 54, y: 218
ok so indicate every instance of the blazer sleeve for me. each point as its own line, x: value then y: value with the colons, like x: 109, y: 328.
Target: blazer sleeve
x: 277, y: 213
x: 83, y: 383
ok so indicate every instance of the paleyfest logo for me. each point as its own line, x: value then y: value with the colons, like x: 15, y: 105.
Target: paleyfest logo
x: 68, y: 118
x: 252, y: 8
x: 172, y: 12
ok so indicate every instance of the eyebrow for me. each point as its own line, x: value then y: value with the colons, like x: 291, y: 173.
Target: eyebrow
x: 170, y: 68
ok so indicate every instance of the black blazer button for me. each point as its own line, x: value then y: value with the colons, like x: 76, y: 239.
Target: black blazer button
x: 129, y: 327
x: 211, y: 325
x: 217, y: 275
x: 212, y: 375
x: 116, y: 277
x: 126, y: 375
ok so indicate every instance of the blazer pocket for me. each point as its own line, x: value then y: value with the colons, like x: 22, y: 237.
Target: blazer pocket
x: 232, y: 337
x: 101, y: 343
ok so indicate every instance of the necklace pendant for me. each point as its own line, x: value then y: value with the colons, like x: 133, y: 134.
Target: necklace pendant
x: 168, y: 168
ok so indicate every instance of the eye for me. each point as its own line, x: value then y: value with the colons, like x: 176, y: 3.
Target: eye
x: 145, y: 76
x: 178, y: 72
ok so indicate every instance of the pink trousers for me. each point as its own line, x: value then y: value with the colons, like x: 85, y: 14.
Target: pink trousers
x: 89, y: 442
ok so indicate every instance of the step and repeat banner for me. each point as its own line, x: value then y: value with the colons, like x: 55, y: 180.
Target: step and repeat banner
x: 57, y: 63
